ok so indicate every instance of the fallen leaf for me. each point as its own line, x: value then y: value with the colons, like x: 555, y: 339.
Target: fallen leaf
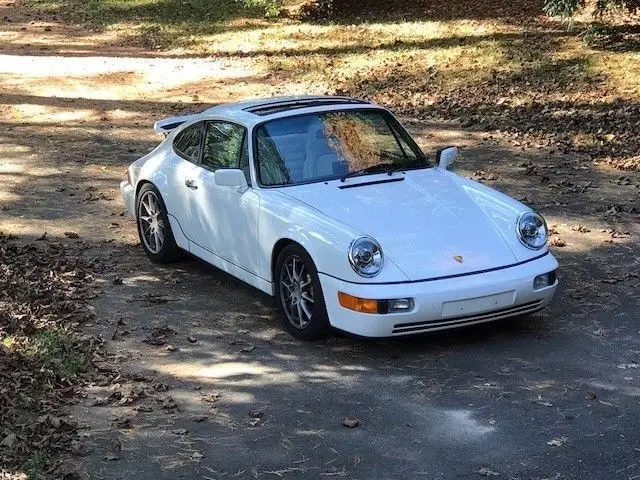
x: 485, y: 472
x: 558, y: 442
x: 351, y: 423
x: 625, y: 366
x: 8, y: 441
x: 611, y: 280
x: 580, y: 228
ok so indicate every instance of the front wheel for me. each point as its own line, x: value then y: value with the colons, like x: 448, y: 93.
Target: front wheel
x: 154, y: 228
x: 299, y: 295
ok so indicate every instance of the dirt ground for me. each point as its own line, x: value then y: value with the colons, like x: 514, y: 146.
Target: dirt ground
x: 210, y: 385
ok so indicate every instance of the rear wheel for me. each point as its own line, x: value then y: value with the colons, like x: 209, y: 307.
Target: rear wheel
x: 154, y: 228
x: 299, y: 295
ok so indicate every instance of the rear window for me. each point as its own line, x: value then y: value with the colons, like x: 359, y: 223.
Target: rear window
x: 187, y: 142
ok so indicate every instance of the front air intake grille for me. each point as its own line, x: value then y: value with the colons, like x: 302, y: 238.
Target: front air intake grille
x: 419, y: 327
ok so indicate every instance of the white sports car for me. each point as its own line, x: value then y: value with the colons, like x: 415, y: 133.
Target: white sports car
x: 328, y: 204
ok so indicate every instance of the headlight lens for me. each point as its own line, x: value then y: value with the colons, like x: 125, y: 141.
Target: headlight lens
x: 365, y: 257
x: 532, y: 230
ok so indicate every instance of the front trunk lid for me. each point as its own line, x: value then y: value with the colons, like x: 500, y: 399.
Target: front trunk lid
x: 425, y: 222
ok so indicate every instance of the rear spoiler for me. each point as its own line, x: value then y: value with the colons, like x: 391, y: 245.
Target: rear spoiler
x: 166, y: 125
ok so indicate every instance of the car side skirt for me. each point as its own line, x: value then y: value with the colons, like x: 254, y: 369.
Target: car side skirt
x: 231, y: 269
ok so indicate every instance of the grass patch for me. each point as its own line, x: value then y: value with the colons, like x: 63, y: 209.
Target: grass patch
x: 34, y: 466
x: 54, y: 348
x: 161, y: 24
x: 197, y: 16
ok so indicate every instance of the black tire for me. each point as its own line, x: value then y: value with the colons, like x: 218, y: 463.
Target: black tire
x: 317, y: 326
x: 168, y: 250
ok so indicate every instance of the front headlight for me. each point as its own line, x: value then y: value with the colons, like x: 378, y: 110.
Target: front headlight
x: 532, y: 230
x: 365, y: 257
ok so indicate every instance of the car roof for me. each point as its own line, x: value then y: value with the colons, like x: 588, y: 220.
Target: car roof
x: 251, y: 112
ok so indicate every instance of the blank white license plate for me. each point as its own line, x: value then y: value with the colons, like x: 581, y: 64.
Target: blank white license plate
x: 478, y: 304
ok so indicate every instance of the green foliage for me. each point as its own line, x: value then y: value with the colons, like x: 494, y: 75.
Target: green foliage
x: 592, y: 34
x: 567, y: 8
x: 168, y: 18
x: 317, y: 10
x: 55, y: 349
x: 562, y: 8
x: 35, y: 465
x: 271, y: 7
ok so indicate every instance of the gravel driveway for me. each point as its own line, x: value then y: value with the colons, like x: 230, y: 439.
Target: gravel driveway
x: 207, y: 385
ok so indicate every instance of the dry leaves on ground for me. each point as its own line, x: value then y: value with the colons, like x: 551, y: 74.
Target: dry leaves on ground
x: 44, y: 289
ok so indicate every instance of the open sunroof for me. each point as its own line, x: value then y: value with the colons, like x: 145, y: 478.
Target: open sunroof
x: 283, y: 106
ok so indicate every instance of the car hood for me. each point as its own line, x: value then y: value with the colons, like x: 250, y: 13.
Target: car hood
x: 430, y: 224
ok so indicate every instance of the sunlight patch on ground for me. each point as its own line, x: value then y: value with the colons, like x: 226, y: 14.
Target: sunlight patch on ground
x: 251, y: 374
x: 13, y: 475
x: 108, y: 78
x: 44, y: 114
x: 459, y: 424
x: 141, y: 278
x: 220, y: 370
x: 303, y: 38
x: 621, y: 71
x: 7, y: 197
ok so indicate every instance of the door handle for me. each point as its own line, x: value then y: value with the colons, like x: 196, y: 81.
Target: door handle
x: 191, y: 184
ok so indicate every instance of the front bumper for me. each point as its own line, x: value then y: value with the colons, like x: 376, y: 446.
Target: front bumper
x: 443, y: 304
x: 128, y: 197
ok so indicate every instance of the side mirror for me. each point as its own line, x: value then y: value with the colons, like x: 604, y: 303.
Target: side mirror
x: 446, y: 156
x: 231, y: 177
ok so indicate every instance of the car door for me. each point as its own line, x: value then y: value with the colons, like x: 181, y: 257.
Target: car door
x: 180, y: 170
x: 227, y: 218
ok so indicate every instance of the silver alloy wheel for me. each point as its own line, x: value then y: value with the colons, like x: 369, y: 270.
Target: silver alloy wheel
x: 151, y: 223
x: 296, y: 291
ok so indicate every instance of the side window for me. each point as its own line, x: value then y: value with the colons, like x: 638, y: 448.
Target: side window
x: 187, y: 142
x: 244, y: 160
x: 223, y: 145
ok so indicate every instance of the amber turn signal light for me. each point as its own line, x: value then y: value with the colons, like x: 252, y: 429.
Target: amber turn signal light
x: 357, y: 304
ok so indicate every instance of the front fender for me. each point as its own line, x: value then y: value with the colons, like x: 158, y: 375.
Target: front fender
x: 325, y: 239
x: 502, y: 211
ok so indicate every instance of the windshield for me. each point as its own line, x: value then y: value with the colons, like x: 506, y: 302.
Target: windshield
x: 336, y: 144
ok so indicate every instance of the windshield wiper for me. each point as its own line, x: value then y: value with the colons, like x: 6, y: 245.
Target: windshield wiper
x: 413, y: 165
x: 388, y: 168
x: 380, y: 167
